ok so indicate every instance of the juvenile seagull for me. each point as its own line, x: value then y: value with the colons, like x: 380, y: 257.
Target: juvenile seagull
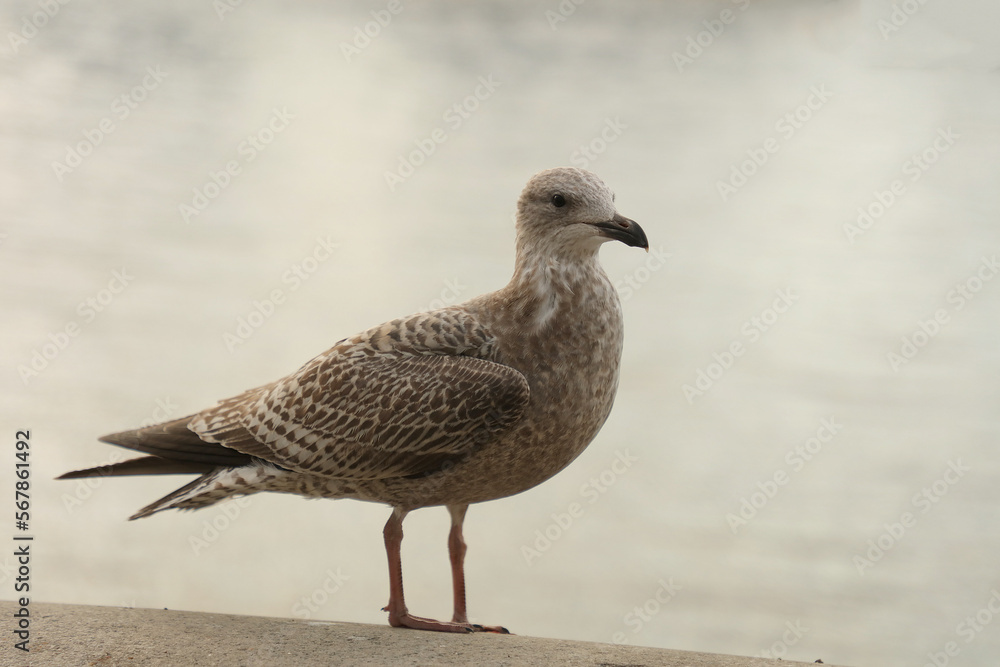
x: 451, y: 407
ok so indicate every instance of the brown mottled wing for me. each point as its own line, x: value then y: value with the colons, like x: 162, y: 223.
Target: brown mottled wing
x: 372, y: 408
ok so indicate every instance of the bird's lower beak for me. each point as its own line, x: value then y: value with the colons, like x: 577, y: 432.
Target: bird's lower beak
x: 622, y: 229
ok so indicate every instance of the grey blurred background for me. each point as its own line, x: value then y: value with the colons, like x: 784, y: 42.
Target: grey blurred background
x: 818, y: 181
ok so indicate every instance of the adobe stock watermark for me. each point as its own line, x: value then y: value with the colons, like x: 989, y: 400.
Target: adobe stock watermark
x: 796, y: 459
x: 927, y: 329
x: 592, y: 490
x: 88, y: 310
x: 454, y: 117
x: 85, y: 486
x: 968, y: 629
x: 794, y: 632
x: 449, y: 296
x: 308, y: 605
x: 364, y: 34
x: 791, y: 122
x: 900, y: 16
x: 965, y: 291
x: 122, y: 107
x: 631, y: 283
x: 751, y: 330
x: 8, y: 569
x: 564, y: 10
x: 294, y: 277
x: 914, y: 167
x: 698, y: 43
x: 923, y: 501
x: 223, y: 7
x: 610, y: 132
x: 212, y: 529
x: 642, y: 614
x: 248, y: 150
x: 31, y: 24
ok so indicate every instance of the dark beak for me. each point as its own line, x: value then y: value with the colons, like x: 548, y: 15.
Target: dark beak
x: 622, y: 229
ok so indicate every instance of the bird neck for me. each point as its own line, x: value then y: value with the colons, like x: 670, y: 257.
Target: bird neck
x: 536, y: 258
x: 546, y: 284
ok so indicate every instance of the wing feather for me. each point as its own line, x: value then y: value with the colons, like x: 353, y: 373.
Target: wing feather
x: 376, y: 406
x: 174, y: 440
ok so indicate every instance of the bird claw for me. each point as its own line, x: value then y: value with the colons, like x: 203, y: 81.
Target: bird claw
x: 495, y: 629
x: 419, y: 623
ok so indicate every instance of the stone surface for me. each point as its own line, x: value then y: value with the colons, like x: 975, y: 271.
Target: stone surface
x: 74, y: 635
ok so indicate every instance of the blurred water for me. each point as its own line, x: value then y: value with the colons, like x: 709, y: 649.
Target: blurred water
x: 819, y: 107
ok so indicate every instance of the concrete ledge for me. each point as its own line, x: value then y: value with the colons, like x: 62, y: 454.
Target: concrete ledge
x: 75, y: 635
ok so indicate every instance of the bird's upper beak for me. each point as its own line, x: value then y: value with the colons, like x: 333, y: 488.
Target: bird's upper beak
x: 622, y: 229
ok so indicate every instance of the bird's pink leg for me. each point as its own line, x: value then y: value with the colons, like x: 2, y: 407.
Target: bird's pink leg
x: 456, y: 553
x: 399, y: 617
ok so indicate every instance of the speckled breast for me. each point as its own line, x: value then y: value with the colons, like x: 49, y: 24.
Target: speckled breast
x: 571, y: 364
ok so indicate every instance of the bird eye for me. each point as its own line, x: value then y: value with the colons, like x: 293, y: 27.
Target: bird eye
x: 558, y: 201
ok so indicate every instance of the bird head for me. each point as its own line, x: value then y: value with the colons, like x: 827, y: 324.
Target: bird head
x: 571, y: 210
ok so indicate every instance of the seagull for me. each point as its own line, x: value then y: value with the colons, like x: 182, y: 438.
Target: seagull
x: 455, y: 406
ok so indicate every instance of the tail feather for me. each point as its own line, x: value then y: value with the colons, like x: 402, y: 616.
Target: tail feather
x: 146, y: 465
x: 216, y: 486
x: 168, y: 501
x: 174, y: 440
x: 172, y: 448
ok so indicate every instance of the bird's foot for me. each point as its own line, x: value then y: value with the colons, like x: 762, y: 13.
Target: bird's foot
x: 406, y: 620
x: 495, y: 629
x: 464, y: 620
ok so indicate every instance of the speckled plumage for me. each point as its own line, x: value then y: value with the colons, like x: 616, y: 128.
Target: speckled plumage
x: 460, y: 405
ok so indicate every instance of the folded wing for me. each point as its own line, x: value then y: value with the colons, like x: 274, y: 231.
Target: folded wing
x: 358, y: 417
